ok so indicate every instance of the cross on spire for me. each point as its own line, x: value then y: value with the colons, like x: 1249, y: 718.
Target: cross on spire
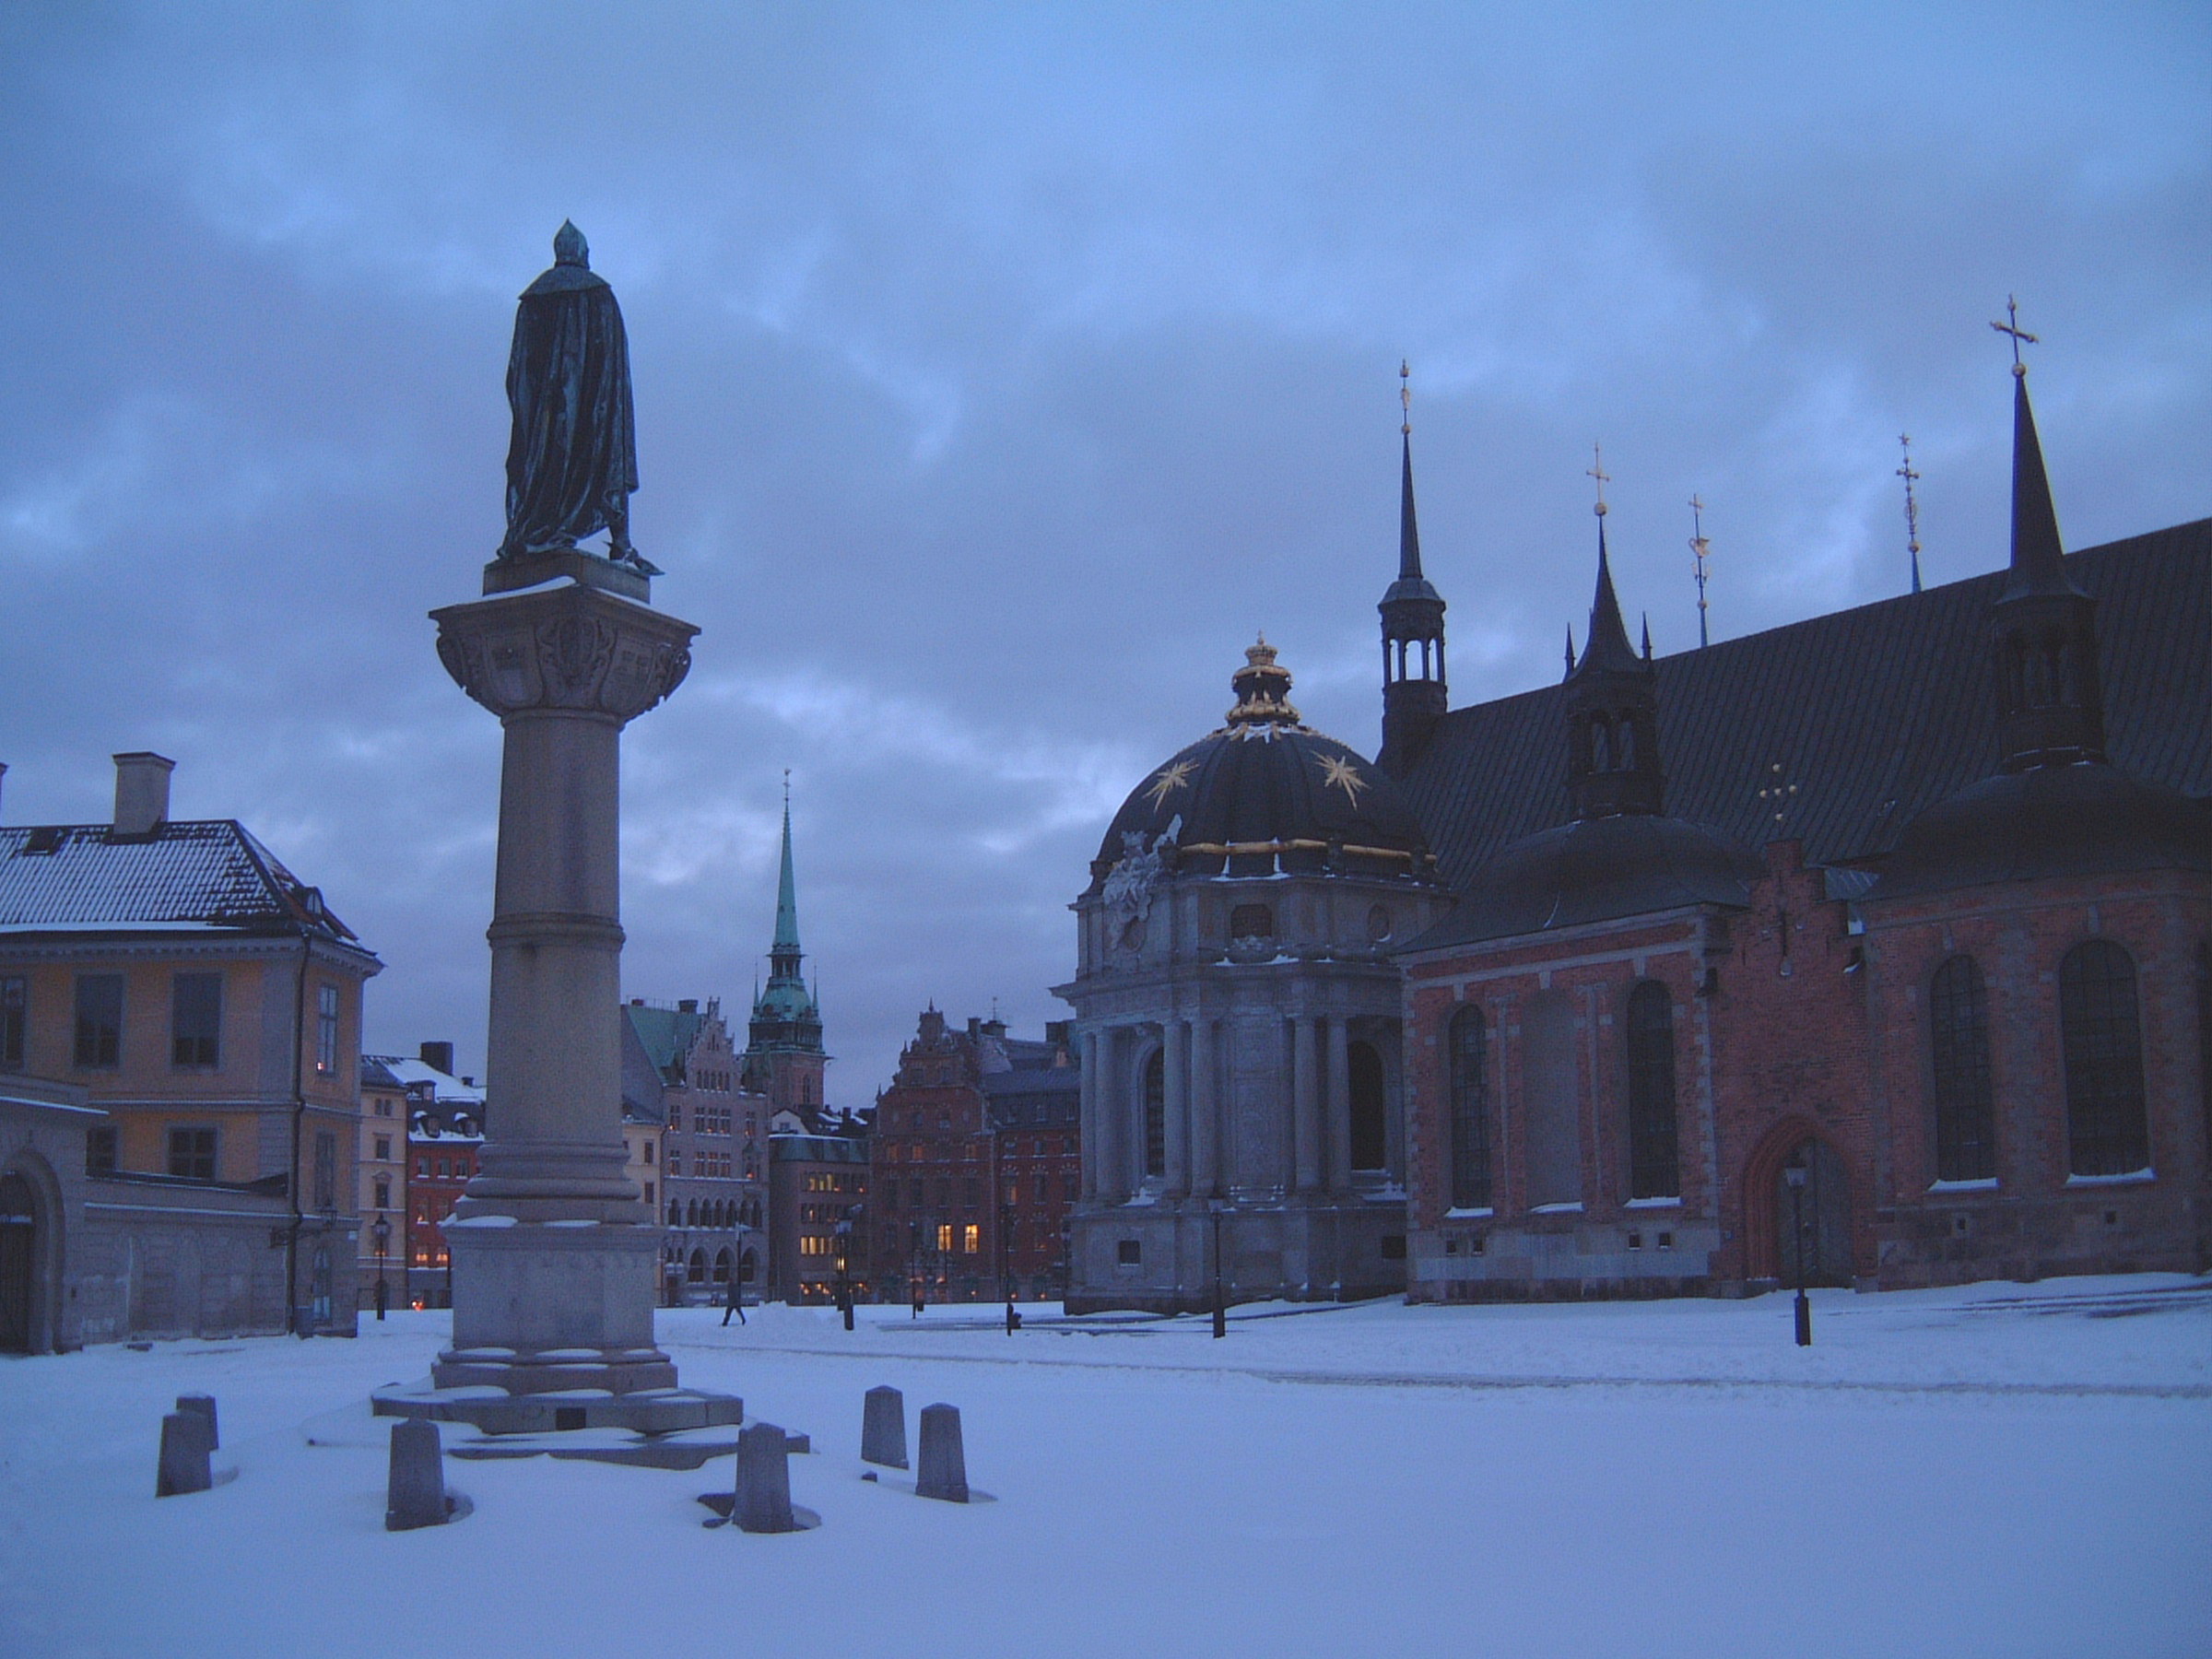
x: 1596, y: 469
x: 2011, y: 325
x: 1904, y: 441
x: 1701, y: 547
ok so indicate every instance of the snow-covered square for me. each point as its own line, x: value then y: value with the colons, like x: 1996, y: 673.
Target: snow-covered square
x: 2004, y: 1470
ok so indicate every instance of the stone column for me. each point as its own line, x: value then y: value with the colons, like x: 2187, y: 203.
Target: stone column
x: 553, y: 1251
x: 1111, y: 1133
x: 1305, y: 1099
x: 1337, y: 1114
x: 1088, y: 1115
x: 1174, y: 1067
x: 1206, y: 1128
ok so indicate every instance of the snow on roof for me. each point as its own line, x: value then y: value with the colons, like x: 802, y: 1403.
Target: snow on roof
x: 446, y: 1088
x: 205, y: 874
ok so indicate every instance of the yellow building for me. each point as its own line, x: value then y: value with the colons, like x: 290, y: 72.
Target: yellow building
x: 210, y: 1002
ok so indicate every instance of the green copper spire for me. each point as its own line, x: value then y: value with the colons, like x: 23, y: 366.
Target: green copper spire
x: 786, y: 999
x: 788, y: 900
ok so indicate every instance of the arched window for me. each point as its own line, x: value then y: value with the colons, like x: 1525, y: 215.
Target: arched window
x: 2204, y: 1032
x: 1601, y: 747
x: 1155, y: 1114
x: 1369, y: 1136
x: 696, y: 1269
x: 675, y: 1214
x: 1469, y: 1044
x: 722, y: 1266
x: 1624, y: 744
x: 2107, y: 1133
x: 691, y: 1213
x: 1958, y: 1036
x: 1654, y: 1170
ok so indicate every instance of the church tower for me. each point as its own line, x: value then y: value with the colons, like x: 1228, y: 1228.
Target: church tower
x: 1613, y: 712
x: 2050, y: 701
x: 1413, y: 695
x: 783, y: 1057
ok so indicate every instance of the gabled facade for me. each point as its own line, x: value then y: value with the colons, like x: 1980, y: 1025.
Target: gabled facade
x: 712, y: 1140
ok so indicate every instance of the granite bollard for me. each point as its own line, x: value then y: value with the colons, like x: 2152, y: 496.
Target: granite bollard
x: 415, y: 1493
x: 205, y: 1406
x: 762, y: 1501
x: 185, y: 1445
x: 883, y: 1428
x: 944, y: 1463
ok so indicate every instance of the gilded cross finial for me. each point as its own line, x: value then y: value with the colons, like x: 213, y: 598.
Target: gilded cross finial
x: 1406, y: 397
x: 2011, y: 325
x: 1904, y: 441
x: 1596, y: 469
x: 1699, y: 547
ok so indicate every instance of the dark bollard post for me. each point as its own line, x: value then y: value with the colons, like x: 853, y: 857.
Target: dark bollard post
x: 1795, y: 1175
x: 186, y: 1441
x: 762, y: 1502
x: 883, y: 1428
x: 205, y: 1406
x: 414, y: 1488
x: 944, y: 1462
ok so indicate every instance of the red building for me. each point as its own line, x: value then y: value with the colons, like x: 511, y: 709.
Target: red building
x: 1878, y: 947
x: 976, y: 1164
x: 445, y: 1135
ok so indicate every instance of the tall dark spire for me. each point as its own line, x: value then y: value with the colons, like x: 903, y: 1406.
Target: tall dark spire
x: 1612, y: 713
x: 785, y: 1011
x: 1414, y: 693
x: 2049, y: 694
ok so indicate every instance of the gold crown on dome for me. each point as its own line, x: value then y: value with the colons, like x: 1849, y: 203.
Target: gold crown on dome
x: 1263, y: 689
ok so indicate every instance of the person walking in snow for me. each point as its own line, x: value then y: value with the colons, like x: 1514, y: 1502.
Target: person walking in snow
x: 735, y: 1302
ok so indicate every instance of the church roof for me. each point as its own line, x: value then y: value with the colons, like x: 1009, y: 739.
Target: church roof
x: 1876, y: 714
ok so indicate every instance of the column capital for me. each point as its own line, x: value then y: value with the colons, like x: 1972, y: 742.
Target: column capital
x: 563, y: 648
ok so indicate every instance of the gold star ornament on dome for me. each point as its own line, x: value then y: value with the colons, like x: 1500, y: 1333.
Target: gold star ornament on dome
x: 1337, y: 773
x: 1168, y: 779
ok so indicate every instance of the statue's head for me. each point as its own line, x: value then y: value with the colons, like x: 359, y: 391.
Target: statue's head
x: 570, y: 248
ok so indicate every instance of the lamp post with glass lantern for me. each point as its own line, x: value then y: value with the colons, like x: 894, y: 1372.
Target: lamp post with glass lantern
x: 1795, y: 1175
x: 382, y: 1233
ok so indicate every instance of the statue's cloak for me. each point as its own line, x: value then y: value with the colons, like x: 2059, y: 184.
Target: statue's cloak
x: 573, y: 458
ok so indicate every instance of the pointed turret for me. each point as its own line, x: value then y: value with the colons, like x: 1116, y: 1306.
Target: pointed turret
x: 784, y: 951
x: 1612, y: 713
x: 1414, y: 693
x: 2050, y: 700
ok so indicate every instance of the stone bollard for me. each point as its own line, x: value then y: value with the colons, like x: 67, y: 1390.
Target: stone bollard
x: 184, y: 1449
x: 415, y: 1492
x: 883, y: 1428
x: 205, y: 1406
x: 763, y: 1498
x: 944, y: 1464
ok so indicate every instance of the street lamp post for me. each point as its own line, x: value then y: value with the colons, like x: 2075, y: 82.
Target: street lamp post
x: 382, y: 1233
x: 1214, y: 1208
x: 1795, y: 1175
x: 845, y: 1282
x: 1005, y: 1265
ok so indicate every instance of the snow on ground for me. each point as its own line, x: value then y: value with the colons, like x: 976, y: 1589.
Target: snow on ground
x: 2003, y: 1470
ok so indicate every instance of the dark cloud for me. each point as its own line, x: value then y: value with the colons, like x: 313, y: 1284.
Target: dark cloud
x: 999, y: 371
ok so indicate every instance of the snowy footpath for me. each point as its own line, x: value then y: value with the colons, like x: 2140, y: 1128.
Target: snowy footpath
x: 2005, y: 1470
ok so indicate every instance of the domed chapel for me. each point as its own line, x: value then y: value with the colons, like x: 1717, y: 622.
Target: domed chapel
x: 1874, y: 948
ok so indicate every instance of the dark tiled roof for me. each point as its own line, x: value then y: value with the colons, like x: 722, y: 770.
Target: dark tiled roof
x: 665, y: 1034
x: 1034, y: 1080
x: 203, y: 873
x: 1876, y: 714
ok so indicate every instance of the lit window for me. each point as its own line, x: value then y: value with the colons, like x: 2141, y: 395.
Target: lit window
x: 326, y: 1030
x: 972, y: 1239
x: 945, y: 1237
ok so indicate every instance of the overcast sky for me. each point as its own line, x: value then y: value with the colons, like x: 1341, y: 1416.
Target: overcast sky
x: 998, y: 372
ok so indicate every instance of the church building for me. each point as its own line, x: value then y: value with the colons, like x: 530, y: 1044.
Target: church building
x: 1876, y: 949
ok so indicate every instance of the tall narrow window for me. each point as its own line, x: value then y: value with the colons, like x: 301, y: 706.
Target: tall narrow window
x: 326, y: 1030
x: 100, y: 1149
x: 1653, y: 1168
x: 1369, y: 1115
x: 1958, y: 1036
x: 2204, y: 1032
x: 15, y: 1020
x: 98, y: 1019
x: 327, y: 1169
x: 2107, y: 1133
x: 1155, y: 1114
x: 195, y: 1020
x: 1470, y: 1042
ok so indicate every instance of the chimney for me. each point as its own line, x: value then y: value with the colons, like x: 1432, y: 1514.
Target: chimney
x: 438, y: 1056
x: 141, y: 792
x: 688, y: 1005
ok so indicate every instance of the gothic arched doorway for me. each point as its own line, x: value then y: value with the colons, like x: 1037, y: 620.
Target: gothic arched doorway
x: 18, y: 1262
x: 1825, y: 1237
x: 1370, y: 1131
